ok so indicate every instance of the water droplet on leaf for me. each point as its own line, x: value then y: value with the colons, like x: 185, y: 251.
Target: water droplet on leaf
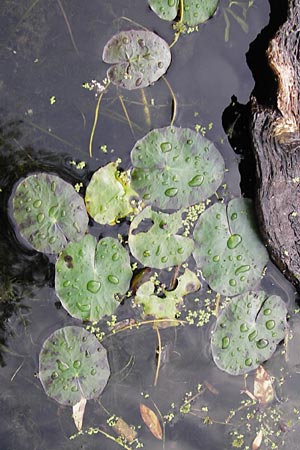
x: 225, y: 342
x: 93, y: 286
x: 171, y: 192
x: 233, y: 241
x: 196, y: 181
x: 113, y: 279
x: 166, y: 147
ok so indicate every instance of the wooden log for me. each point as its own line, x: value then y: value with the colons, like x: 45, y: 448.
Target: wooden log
x: 276, y: 142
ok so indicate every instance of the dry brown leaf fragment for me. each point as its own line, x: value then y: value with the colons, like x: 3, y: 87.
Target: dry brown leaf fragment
x: 78, y: 413
x: 257, y: 441
x: 151, y: 420
x: 263, y: 387
x: 123, y: 429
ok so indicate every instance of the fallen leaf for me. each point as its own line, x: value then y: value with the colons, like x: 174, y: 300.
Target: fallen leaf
x: 263, y: 388
x: 257, y: 441
x: 151, y: 421
x: 124, y: 430
x: 78, y: 412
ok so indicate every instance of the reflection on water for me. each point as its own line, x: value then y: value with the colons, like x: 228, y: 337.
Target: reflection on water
x: 49, y: 50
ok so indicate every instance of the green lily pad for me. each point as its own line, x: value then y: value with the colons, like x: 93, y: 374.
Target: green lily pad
x: 109, y: 195
x: 247, y: 331
x: 166, y: 307
x: 140, y: 58
x: 49, y: 212
x: 89, y: 275
x: 73, y: 364
x: 228, y: 248
x: 159, y: 246
x: 194, y: 11
x: 176, y: 167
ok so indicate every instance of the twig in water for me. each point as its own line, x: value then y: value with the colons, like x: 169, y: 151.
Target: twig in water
x: 68, y: 26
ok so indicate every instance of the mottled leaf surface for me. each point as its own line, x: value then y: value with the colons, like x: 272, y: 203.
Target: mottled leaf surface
x: 155, y: 240
x: 49, y: 212
x: 109, y: 195
x: 166, y: 306
x: 73, y: 364
x: 175, y: 167
x: 139, y: 58
x: 228, y: 248
x: 88, y: 275
x: 194, y: 11
x: 247, y: 331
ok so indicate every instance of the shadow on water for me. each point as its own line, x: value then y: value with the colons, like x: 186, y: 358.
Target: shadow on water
x: 237, y: 116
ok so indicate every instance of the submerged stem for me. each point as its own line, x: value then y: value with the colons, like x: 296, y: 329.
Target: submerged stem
x: 96, y: 120
x: 126, y: 114
x: 174, y: 101
x: 68, y: 26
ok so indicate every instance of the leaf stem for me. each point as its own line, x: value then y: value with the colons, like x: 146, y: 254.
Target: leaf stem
x: 96, y: 120
x: 174, y: 101
x: 158, y: 356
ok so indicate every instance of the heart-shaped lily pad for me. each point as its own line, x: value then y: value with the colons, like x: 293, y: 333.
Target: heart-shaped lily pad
x: 89, y: 275
x: 176, y: 167
x: 228, y: 249
x: 194, y: 11
x: 73, y: 364
x: 109, y: 195
x: 140, y: 58
x: 247, y: 331
x: 49, y: 212
x: 153, y: 239
x: 166, y: 307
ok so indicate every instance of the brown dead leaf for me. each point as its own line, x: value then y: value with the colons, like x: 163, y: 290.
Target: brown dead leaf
x: 123, y: 429
x: 151, y: 420
x: 257, y: 441
x: 78, y: 413
x: 263, y: 388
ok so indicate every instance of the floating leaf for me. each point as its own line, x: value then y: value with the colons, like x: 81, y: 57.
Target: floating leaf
x: 175, y: 167
x: 73, y: 364
x: 78, y: 413
x: 263, y: 386
x: 166, y: 307
x: 49, y: 212
x: 123, y: 429
x: 151, y: 420
x: 228, y: 249
x: 140, y: 58
x: 247, y: 331
x: 89, y: 275
x: 109, y: 195
x: 159, y: 246
x: 194, y: 11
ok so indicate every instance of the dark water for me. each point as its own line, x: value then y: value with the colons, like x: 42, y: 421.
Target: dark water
x: 50, y: 48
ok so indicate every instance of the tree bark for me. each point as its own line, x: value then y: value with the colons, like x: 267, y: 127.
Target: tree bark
x: 276, y: 142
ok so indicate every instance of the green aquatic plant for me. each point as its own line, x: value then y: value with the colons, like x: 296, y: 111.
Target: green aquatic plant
x: 175, y: 167
x: 247, y: 331
x: 228, y: 249
x: 89, y: 275
x: 48, y: 212
x: 238, y: 10
x: 73, y: 365
x: 139, y: 58
x: 154, y: 239
x: 168, y: 304
x: 109, y: 195
x: 193, y: 12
